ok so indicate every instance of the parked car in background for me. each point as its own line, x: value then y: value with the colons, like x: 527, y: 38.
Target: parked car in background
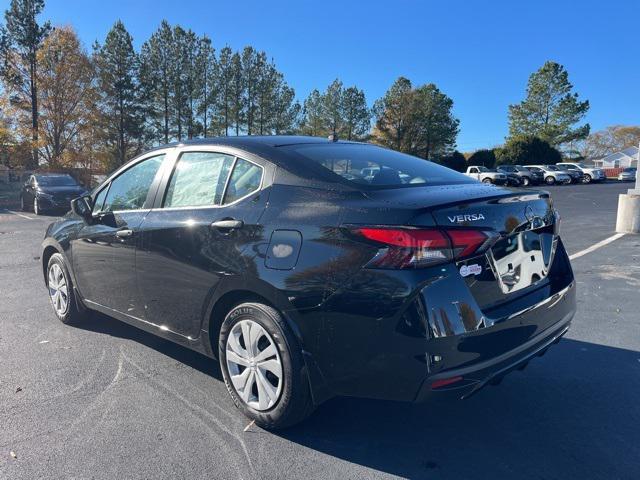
x: 278, y: 257
x: 576, y: 175
x: 552, y: 175
x: 527, y: 177
x: 590, y: 174
x: 628, y: 174
x: 486, y: 175
x: 46, y: 192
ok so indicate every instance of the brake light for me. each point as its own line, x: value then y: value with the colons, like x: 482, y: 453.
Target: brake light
x: 415, y: 248
x: 466, y: 242
x: 408, y: 248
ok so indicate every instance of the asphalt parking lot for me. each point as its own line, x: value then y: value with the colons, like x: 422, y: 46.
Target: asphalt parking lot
x: 105, y: 400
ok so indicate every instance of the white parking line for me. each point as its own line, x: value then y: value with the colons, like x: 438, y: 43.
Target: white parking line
x: 596, y: 246
x: 19, y: 214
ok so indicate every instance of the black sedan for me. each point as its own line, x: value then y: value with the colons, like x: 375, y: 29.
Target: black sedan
x: 47, y: 192
x: 310, y: 268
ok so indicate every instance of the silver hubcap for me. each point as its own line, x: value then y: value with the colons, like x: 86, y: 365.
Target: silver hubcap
x: 254, y: 365
x: 58, y: 289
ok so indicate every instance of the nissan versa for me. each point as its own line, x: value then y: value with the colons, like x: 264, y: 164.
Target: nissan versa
x: 311, y: 268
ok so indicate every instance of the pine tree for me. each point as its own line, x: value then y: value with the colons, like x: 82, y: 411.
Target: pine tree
x: 156, y: 76
x: 356, y: 114
x: 551, y: 109
x: 207, y: 85
x: 225, y: 78
x: 121, y: 111
x: 418, y: 121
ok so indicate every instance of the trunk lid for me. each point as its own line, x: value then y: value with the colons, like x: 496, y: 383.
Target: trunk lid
x: 522, y: 226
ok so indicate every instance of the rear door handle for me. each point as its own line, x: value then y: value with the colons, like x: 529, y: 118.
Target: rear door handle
x: 124, y: 233
x: 228, y: 224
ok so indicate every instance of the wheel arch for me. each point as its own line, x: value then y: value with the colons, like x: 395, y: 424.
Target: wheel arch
x: 240, y: 290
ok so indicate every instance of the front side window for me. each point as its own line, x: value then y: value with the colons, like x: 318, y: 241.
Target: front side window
x: 129, y: 190
x: 198, y: 180
x: 99, y: 200
x: 245, y: 179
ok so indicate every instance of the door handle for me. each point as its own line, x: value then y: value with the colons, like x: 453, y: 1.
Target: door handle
x: 228, y: 224
x: 124, y: 233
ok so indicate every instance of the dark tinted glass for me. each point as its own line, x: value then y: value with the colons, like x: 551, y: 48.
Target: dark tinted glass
x: 56, y: 181
x: 198, y: 179
x: 244, y: 180
x: 129, y: 190
x: 373, y: 166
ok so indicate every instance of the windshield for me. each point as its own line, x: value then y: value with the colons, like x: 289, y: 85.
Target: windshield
x: 534, y: 169
x: 569, y: 167
x: 629, y: 170
x: 373, y: 166
x: 553, y: 167
x: 56, y: 181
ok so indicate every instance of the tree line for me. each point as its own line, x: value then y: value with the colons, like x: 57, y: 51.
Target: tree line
x: 62, y: 105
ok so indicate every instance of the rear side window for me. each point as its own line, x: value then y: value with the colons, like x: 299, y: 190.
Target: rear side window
x: 198, y: 179
x: 368, y: 165
x: 245, y: 179
x: 128, y: 191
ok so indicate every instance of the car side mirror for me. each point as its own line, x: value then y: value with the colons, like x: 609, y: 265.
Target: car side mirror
x: 82, y: 206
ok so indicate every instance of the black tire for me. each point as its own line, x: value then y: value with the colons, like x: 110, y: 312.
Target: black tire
x: 587, y: 178
x: 72, y: 314
x: 550, y: 180
x: 294, y: 403
x: 486, y: 180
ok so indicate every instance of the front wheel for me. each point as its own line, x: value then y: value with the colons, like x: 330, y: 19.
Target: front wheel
x: 587, y: 178
x: 525, y: 181
x: 61, y: 291
x: 262, y: 365
x: 550, y: 180
x: 36, y: 206
x: 486, y: 180
x: 23, y: 206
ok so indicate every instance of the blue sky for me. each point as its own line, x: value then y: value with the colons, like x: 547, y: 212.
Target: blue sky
x: 480, y: 53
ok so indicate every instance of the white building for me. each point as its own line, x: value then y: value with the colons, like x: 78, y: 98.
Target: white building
x: 622, y: 159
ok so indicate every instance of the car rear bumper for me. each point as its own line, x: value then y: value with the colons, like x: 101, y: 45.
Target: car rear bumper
x: 472, y: 378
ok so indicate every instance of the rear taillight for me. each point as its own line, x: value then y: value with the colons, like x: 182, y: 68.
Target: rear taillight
x: 422, y: 247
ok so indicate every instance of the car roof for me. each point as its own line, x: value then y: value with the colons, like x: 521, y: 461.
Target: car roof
x: 249, y: 141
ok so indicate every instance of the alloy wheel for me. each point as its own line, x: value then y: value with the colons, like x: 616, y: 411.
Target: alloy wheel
x: 36, y: 208
x: 525, y: 181
x: 254, y: 365
x: 58, y: 290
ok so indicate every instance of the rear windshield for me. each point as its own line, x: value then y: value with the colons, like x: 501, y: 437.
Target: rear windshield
x: 371, y: 166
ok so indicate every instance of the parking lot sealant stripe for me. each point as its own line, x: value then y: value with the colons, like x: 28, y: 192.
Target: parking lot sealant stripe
x: 596, y: 246
x: 20, y: 215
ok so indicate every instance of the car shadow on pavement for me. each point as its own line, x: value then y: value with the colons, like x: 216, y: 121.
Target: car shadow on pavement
x: 572, y: 414
x: 99, y: 323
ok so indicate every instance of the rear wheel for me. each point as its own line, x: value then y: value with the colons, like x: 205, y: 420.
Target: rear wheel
x: 61, y: 292
x: 586, y: 178
x: 550, y: 180
x: 261, y: 361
